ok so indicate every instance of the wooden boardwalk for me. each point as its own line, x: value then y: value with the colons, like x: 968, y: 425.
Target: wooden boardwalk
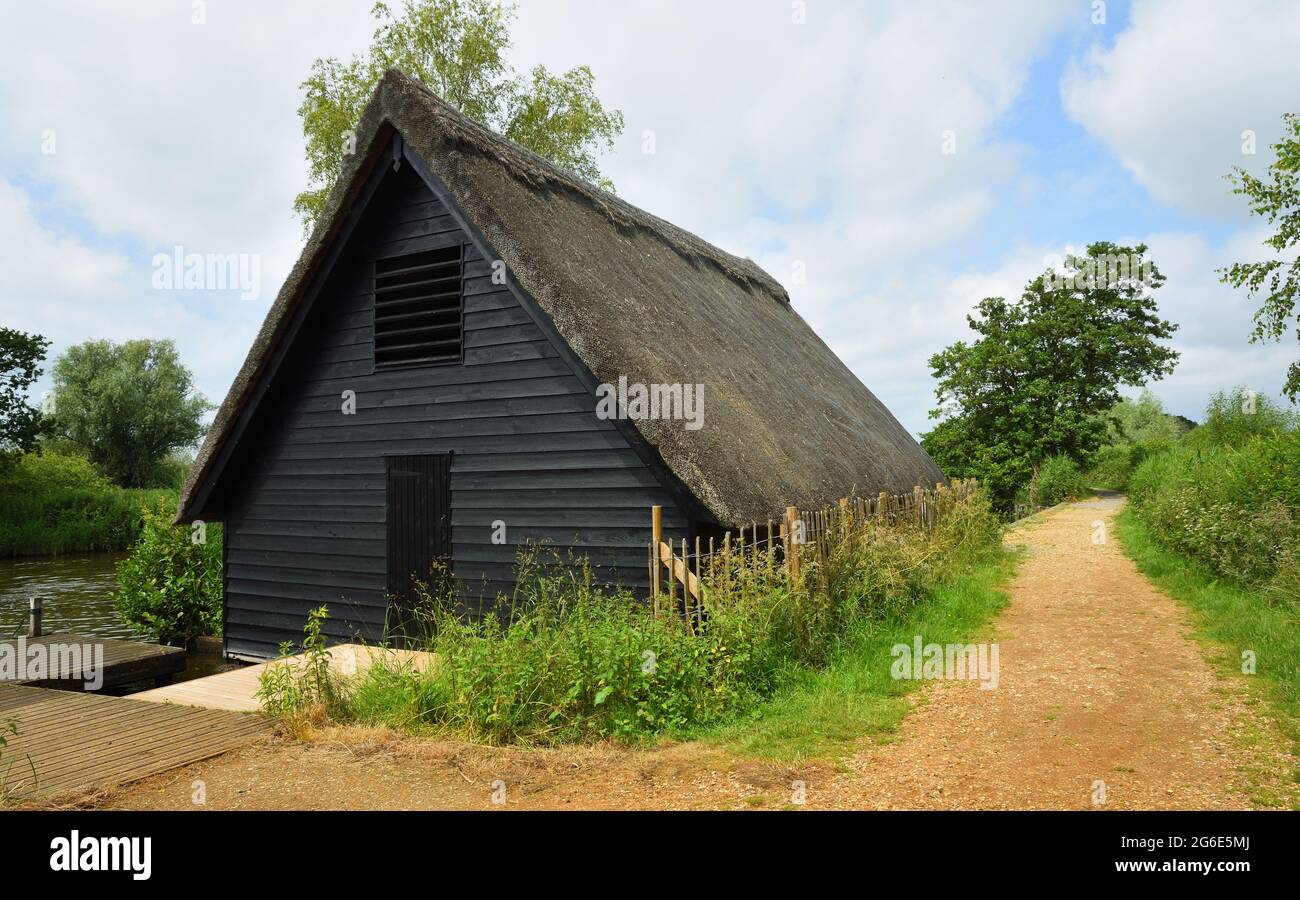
x: 76, y: 741
x: 124, y: 662
x: 237, y: 689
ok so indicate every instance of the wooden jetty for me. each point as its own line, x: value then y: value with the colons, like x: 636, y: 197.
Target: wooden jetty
x: 78, y: 741
x: 237, y: 689
x: 124, y: 662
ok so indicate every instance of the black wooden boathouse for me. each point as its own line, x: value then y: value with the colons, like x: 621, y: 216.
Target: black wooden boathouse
x: 425, y: 387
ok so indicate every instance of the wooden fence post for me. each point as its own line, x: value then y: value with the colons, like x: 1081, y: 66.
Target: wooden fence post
x: 792, y: 542
x: 656, y: 537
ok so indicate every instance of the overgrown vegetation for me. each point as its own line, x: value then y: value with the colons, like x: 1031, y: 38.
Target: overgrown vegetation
x: 1058, y: 479
x: 821, y: 712
x: 1227, y: 494
x: 170, y: 585
x: 306, y: 684
x: 566, y: 660
x: 53, y: 503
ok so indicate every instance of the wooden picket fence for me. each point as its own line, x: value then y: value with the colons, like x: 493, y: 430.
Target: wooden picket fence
x: 685, y: 570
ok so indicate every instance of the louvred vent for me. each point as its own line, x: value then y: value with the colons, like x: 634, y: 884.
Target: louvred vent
x: 418, y: 303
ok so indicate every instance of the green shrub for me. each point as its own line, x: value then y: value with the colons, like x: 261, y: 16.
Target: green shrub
x: 58, y: 503
x: 1113, y: 465
x: 1234, y: 505
x: 564, y: 659
x: 171, y: 582
x: 1058, y: 479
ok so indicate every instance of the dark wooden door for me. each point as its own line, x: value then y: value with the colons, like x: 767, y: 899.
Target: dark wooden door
x: 419, y: 533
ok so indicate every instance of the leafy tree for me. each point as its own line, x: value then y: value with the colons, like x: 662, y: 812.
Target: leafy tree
x: 457, y: 49
x: 1278, y: 200
x: 1141, y: 420
x: 1043, y: 370
x: 127, y: 406
x: 20, y: 359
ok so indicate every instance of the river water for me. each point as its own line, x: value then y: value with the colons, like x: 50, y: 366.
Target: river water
x: 76, y: 593
x: 75, y: 590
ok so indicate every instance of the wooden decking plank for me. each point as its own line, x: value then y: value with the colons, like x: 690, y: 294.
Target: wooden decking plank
x: 123, y: 661
x: 133, y: 730
x: 123, y: 772
x: 13, y: 696
x: 135, y: 733
x: 76, y: 740
x: 107, y: 771
x: 120, y: 769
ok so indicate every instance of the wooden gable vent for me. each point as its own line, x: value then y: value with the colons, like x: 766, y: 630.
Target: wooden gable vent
x: 418, y: 306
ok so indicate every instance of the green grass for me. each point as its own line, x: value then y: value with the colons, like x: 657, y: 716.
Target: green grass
x: 1230, y: 619
x: 801, y: 663
x: 821, y: 714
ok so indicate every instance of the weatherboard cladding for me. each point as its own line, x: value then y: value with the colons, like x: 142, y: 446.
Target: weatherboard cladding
x: 304, y: 497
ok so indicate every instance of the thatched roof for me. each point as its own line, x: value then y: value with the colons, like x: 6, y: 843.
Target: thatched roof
x: 785, y: 421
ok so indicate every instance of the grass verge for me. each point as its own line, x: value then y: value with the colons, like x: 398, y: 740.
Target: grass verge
x: 53, y: 504
x: 1230, y: 621
x: 819, y: 714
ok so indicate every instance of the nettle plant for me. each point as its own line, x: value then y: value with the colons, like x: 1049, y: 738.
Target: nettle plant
x: 295, y: 686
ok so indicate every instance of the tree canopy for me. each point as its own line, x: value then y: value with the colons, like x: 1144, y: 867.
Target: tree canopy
x: 1044, y: 369
x: 456, y: 48
x: 20, y: 360
x: 1277, y: 198
x: 1142, y: 420
x: 126, y: 406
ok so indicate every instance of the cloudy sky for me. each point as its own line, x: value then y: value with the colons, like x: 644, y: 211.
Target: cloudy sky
x: 126, y: 129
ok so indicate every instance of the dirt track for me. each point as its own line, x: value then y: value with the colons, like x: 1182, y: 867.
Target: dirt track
x: 1099, y: 682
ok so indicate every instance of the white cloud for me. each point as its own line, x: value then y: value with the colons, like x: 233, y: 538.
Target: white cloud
x: 1173, y: 95
x: 59, y: 287
x: 169, y: 132
x: 817, y: 143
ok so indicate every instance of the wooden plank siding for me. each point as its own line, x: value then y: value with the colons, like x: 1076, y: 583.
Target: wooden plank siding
x: 304, y: 501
